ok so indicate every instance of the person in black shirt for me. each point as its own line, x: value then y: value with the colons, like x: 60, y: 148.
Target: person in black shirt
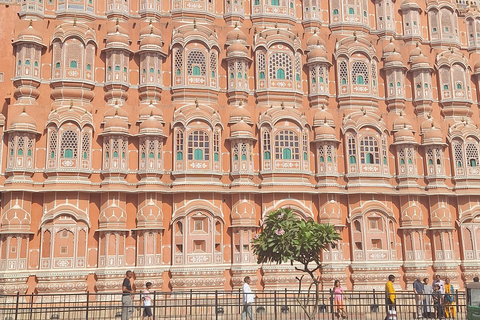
x: 127, y: 305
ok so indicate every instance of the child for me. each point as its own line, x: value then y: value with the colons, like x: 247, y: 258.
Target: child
x: 437, y: 302
x: 339, y: 297
x: 146, y: 302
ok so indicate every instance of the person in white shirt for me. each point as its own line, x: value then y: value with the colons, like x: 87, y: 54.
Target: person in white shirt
x: 438, y: 281
x: 248, y: 298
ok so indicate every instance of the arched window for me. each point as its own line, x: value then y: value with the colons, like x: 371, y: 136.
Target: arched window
x: 179, y: 144
x: 472, y: 154
x: 198, y: 146
x: 69, y: 144
x: 196, y: 63
x: 369, y: 150
x: 73, y: 64
x: 280, y: 66
x: 351, y: 11
x: 89, y: 67
x: 352, y: 150
x: 262, y: 75
x: 360, y: 73
x: 287, y: 145
x: 57, y: 65
x: 275, y: 3
x: 335, y: 11
x: 27, y: 62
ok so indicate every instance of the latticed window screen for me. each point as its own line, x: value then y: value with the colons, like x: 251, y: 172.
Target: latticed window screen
x: 115, y: 148
x: 216, y: 146
x: 384, y: 151
x: 261, y: 65
x: 343, y: 73
x: 359, y: 73
x: 458, y: 153
x: 280, y: 66
x: 401, y: 155
x: 235, y: 152
x: 321, y: 153
x: 179, y: 144
x: 11, y: 144
x: 69, y: 144
x: 151, y: 149
x: 85, y: 145
x: 369, y: 153
x: 430, y: 157
x: 305, y: 146
x: 178, y: 61
x: 124, y: 147
x: 374, y: 72
x: 143, y: 149
x: 30, y: 149
x: 196, y: 61
x: 330, y: 153
x: 213, y: 64
x: 244, y: 151
x: 198, y: 146
x: 287, y: 145
x: 298, y: 67
x: 266, y: 145
x: 20, y: 146
x: 438, y: 156
x: 410, y: 156
x: 471, y: 151
x: 352, y: 150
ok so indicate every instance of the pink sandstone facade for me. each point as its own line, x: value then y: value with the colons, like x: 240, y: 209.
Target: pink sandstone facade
x: 155, y: 135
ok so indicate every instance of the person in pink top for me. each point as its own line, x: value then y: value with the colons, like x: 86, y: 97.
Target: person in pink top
x: 339, y: 300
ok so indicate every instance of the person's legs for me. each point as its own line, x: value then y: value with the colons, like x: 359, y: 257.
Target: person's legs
x: 127, y: 309
x: 244, y: 312
x: 250, y: 312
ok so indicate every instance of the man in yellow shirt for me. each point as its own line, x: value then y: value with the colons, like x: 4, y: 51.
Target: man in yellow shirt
x: 390, y: 298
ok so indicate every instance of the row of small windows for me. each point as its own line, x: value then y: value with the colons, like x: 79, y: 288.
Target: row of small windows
x: 27, y: 63
x: 272, y: 2
x: 350, y: 11
x: 73, y: 64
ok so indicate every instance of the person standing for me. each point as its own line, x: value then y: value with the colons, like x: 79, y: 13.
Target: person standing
x: 449, y: 299
x: 146, y: 302
x: 127, y: 305
x: 427, y: 299
x: 441, y: 284
x: 437, y: 299
x: 248, y: 299
x: 338, y: 300
x: 390, y: 298
x: 418, y: 290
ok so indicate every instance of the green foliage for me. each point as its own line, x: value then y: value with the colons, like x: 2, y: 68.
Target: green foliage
x: 286, y: 237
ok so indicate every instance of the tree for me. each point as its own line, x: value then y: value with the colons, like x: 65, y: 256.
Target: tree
x: 287, y: 238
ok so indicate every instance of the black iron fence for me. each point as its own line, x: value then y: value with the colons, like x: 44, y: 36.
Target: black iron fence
x: 219, y: 305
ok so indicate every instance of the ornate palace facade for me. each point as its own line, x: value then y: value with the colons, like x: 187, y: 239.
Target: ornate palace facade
x: 155, y: 135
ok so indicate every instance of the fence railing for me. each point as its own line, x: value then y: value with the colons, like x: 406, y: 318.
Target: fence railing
x: 215, y: 305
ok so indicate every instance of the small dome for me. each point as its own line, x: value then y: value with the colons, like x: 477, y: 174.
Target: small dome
x: 420, y: 59
x: 117, y: 38
x: 325, y: 132
x: 401, y: 122
x: 115, y: 124
x: 394, y: 57
x: 237, y: 48
x: 241, y: 128
x: 415, y: 52
x: 151, y: 125
x: 116, y: 110
x: 240, y: 112
x: 30, y: 32
x: 389, y: 48
x: 323, y: 116
x: 315, y: 40
x: 151, y: 40
x: 404, y: 135
x: 23, y: 122
x: 236, y: 35
x: 317, y: 53
x: 433, y: 136
x: 151, y: 110
x: 117, y: 29
x: 150, y: 30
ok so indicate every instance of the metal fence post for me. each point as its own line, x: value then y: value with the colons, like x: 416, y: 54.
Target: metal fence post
x: 16, y: 306
x: 216, y: 304
x: 332, y: 307
x: 240, y: 302
x: 154, y: 303
x: 31, y: 306
x: 191, y: 301
x: 86, y: 311
x: 275, y: 303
